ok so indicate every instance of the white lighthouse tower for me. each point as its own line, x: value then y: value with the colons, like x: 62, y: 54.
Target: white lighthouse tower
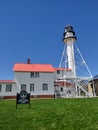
x: 69, y: 39
x: 74, y: 82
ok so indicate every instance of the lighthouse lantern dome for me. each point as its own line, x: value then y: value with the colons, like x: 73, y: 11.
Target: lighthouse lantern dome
x: 69, y: 33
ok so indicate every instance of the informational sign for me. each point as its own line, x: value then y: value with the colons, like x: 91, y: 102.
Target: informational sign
x: 23, y: 98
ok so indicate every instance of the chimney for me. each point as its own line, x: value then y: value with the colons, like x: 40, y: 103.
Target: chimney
x: 28, y: 61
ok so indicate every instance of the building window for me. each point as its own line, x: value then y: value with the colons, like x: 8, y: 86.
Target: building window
x: 31, y: 87
x: 23, y: 87
x: 36, y: 74
x: 61, y: 89
x: 0, y: 87
x: 58, y: 71
x: 44, y: 86
x: 32, y: 74
x: 8, y: 87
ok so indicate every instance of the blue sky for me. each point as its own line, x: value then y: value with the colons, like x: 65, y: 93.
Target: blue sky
x: 34, y: 29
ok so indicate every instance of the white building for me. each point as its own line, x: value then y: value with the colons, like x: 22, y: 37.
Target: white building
x: 8, y: 89
x: 38, y: 79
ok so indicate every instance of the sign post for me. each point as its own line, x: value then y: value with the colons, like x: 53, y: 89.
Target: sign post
x: 23, y: 98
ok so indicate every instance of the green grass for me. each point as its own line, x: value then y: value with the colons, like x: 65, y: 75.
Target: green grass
x: 50, y: 114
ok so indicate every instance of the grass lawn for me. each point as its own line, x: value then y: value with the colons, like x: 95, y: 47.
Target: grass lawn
x: 50, y: 114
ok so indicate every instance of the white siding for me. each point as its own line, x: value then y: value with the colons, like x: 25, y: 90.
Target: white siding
x: 62, y: 74
x: 12, y: 93
x: 24, y: 78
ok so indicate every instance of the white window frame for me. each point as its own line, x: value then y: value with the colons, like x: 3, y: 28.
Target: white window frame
x: 58, y: 71
x: 8, y: 87
x: 23, y: 87
x: 32, y: 75
x: 36, y: 74
x: 44, y: 86
x: 0, y: 87
x: 31, y: 87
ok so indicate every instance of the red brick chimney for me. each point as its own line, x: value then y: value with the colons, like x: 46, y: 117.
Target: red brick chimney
x: 28, y: 61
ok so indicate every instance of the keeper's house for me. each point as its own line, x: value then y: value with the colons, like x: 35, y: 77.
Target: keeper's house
x: 38, y: 79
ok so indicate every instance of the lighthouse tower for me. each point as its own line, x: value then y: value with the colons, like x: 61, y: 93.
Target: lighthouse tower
x: 69, y: 39
x: 74, y: 83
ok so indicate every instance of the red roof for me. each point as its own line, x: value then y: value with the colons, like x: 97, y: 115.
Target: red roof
x: 33, y: 68
x: 7, y: 81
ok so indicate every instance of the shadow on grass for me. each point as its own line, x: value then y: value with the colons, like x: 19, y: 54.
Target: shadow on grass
x: 22, y: 106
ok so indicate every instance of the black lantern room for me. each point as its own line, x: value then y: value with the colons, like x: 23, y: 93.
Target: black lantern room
x: 69, y: 33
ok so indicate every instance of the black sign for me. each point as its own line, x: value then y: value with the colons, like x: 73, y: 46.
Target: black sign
x: 23, y: 98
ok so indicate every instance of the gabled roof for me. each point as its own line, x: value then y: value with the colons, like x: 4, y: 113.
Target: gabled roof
x: 18, y: 67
